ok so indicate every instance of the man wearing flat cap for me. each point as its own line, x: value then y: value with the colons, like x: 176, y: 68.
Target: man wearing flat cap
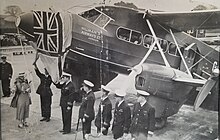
x: 122, y: 116
x: 104, y: 115
x: 5, y: 76
x: 143, y: 119
x: 66, y: 101
x: 86, y: 110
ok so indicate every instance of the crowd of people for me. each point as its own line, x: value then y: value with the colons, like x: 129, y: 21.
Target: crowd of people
x: 136, y: 124
x: 11, y: 40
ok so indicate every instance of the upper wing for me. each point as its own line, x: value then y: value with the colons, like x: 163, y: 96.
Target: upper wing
x: 183, y: 21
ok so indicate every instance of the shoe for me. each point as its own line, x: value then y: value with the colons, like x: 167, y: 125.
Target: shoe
x: 47, y: 120
x: 86, y: 136
x: 65, y: 133
x: 44, y: 119
x: 61, y: 131
x: 25, y: 124
x: 20, y: 125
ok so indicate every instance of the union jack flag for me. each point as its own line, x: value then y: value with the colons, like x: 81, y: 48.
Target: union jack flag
x: 48, y: 32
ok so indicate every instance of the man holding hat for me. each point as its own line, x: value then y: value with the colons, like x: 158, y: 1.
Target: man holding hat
x: 143, y: 120
x: 86, y: 110
x: 45, y: 93
x: 5, y: 76
x: 104, y: 115
x: 66, y: 101
x: 122, y: 116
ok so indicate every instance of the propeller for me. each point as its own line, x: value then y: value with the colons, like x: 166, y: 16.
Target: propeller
x: 203, y: 93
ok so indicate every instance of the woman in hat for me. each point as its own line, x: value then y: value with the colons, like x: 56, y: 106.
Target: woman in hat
x: 143, y: 119
x: 104, y: 115
x: 23, y: 90
x: 86, y: 111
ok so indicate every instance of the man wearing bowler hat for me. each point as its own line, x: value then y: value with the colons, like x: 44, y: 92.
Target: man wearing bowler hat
x: 86, y: 110
x: 66, y: 101
x: 122, y: 116
x: 5, y: 76
x: 143, y: 120
x: 104, y: 115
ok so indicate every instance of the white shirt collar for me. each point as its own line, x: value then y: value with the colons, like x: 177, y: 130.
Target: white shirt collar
x: 88, y: 91
x: 142, y: 104
x: 68, y: 82
x: 104, y: 98
x: 120, y: 102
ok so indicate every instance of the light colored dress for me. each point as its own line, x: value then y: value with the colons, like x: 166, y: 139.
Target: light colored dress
x: 23, y: 101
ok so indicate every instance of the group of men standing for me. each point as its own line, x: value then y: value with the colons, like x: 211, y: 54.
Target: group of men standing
x: 140, y: 122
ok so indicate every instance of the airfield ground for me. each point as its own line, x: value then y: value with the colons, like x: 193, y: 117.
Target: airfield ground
x: 185, y: 125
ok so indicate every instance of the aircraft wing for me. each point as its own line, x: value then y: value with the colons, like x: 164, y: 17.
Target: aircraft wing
x: 183, y: 21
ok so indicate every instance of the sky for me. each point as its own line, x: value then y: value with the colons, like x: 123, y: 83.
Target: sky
x: 164, y: 5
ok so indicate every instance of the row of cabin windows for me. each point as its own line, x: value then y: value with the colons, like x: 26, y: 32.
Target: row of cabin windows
x: 135, y: 37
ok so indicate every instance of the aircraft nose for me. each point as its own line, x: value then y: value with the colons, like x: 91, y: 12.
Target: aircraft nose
x: 25, y: 24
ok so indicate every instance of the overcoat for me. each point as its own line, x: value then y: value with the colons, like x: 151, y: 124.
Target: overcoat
x: 143, y: 119
x: 106, y: 113
x: 87, y: 106
x: 45, y: 83
x: 122, y: 119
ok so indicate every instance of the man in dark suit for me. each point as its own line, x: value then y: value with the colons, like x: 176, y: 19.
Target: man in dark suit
x: 122, y: 116
x: 104, y: 115
x: 66, y: 101
x: 5, y: 76
x: 86, y: 110
x: 143, y: 120
x: 45, y: 93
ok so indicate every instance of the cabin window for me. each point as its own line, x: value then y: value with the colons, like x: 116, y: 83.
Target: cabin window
x: 129, y: 35
x: 91, y: 15
x: 148, y: 40
x: 136, y: 37
x: 140, y: 81
x: 172, y: 49
x: 124, y: 34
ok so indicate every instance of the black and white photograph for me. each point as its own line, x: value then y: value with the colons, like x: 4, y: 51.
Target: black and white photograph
x: 109, y: 69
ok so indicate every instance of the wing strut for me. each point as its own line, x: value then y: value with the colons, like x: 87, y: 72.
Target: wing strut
x: 181, y: 55
x: 128, y: 81
x: 158, y: 44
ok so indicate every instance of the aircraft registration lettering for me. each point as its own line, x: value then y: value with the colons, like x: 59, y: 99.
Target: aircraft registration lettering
x: 93, y: 35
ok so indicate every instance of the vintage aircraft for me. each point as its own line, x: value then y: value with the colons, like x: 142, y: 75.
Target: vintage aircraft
x: 106, y: 41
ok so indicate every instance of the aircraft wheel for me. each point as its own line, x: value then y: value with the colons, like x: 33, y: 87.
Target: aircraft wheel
x: 160, y: 123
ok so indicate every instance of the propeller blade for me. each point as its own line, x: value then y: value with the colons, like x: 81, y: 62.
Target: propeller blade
x: 204, y: 92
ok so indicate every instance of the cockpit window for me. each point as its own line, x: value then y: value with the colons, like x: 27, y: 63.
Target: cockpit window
x: 96, y: 17
x: 129, y: 35
x: 102, y: 20
x: 90, y: 15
